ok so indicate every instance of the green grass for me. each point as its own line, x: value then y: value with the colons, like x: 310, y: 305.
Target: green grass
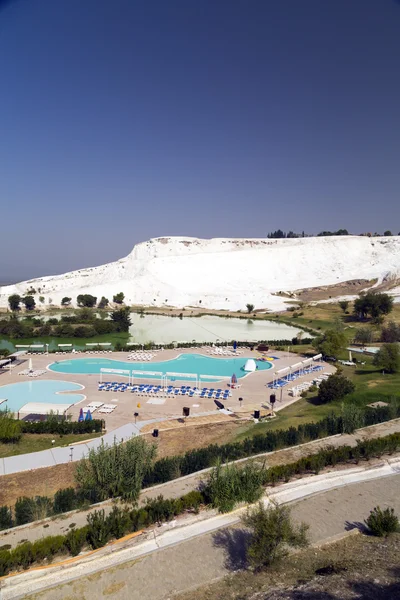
x: 371, y: 386
x: 32, y: 442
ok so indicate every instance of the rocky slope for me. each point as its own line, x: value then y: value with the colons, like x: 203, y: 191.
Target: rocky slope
x: 224, y: 273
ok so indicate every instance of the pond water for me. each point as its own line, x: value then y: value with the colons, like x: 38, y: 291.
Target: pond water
x: 163, y: 330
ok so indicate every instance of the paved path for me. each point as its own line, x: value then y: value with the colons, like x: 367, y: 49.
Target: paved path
x: 183, y: 485
x: 176, y: 559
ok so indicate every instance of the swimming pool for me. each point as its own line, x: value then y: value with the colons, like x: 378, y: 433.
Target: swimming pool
x: 185, y: 363
x: 18, y: 394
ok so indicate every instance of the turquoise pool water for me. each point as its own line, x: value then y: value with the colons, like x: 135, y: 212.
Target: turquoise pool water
x: 185, y: 363
x: 18, y: 394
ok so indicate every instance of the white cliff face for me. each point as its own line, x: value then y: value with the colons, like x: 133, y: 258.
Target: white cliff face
x: 223, y: 273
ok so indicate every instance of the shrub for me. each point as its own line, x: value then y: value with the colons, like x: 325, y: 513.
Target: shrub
x: 75, y: 540
x: 334, y: 388
x: 6, y: 520
x: 114, y: 471
x: 272, y: 533
x: 230, y: 484
x: 97, y: 529
x: 382, y: 522
x: 10, y: 428
x: 65, y: 500
x: 118, y: 522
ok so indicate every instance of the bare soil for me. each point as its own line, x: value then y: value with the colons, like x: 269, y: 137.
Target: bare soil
x: 357, y: 567
x: 40, y: 482
x: 352, y: 287
x: 179, y: 438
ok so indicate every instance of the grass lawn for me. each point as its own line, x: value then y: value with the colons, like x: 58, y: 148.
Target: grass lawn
x: 371, y: 386
x: 34, y: 442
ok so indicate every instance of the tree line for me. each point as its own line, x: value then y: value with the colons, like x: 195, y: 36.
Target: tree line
x: 82, y: 300
x: 83, y: 324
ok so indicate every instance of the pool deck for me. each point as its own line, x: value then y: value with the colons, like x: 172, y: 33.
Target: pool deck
x: 252, y: 388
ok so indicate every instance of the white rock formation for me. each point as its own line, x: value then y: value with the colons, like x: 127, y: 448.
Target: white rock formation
x: 223, y: 273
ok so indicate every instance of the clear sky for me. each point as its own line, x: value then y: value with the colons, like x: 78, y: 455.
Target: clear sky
x: 123, y: 120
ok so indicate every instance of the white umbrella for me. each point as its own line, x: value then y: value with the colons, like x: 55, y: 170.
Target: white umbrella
x: 350, y: 356
x: 30, y: 365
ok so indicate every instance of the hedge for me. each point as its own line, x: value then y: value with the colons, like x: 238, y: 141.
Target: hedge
x: 100, y: 529
x: 62, y: 427
x: 169, y: 468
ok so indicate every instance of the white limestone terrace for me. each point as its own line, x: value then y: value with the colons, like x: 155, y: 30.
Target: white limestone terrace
x: 223, y: 273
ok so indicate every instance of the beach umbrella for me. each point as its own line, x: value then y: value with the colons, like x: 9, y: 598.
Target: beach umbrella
x: 350, y: 356
x: 233, y: 380
x: 219, y: 404
x: 81, y: 417
x: 88, y: 416
x: 30, y: 366
x: 234, y: 345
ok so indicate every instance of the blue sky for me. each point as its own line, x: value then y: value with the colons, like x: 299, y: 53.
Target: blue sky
x: 124, y: 120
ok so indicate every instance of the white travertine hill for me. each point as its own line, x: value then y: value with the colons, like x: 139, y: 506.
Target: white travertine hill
x: 223, y: 273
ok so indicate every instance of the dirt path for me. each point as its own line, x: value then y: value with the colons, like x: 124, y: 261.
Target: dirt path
x: 178, y: 487
x: 197, y: 562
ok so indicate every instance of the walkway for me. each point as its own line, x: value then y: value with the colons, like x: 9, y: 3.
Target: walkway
x: 177, y: 559
x: 66, y: 454
x: 183, y: 485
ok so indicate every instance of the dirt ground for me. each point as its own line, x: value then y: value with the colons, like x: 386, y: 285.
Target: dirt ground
x: 358, y: 567
x: 41, y: 482
x: 352, y: 287
x: 181, y: 438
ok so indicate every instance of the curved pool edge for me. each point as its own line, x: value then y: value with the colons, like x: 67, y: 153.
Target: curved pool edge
x: 130, y: 365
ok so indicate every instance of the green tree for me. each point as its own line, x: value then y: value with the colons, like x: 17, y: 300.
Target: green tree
x: 388, y: 232
x: 29, y: 302
x: 335, y: 388
x: 331, y: 343
x: 364, y: 336
x: 250, y: 308
x: 41, y: 299
x: 390, y: 333
x: 344, y: 305
x: 119, y: 298
x: 66, y: 301
x: 373, y: 304
x: 114, y: 471
x: 14, y: 301
x: 388, y: 358
x: 86, y: 300
x: 122, y: 318
x: 272, y: 534
x: 103, y: 302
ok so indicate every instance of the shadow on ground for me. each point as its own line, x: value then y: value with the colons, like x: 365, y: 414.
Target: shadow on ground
x: 234, y: 542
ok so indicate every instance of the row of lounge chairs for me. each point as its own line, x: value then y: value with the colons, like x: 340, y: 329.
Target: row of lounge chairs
x: 274, y: 385
x: 151, y: 390
x: 303, y: 387
x: 31, y: 373
x: 142, y: 356
x: 100, y: 407
x: 224, y: 351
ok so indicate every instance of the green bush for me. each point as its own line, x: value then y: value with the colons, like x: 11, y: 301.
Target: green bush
x: 65, y: 500
x: 334, y: 388
x: 382, y: 522
x: 272, y: 534
x: 114, y: 471
x: 6, y: 520
x: 97, y: 529
x: 75, y: 540
x: 10, y: 428
x: 229, y: 484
